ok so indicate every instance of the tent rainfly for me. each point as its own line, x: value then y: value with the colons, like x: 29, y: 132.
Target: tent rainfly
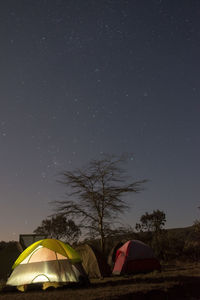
x: 93, y: 262
x: 133, y: 257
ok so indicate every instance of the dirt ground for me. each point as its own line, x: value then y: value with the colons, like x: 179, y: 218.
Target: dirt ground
x: 175, y: 281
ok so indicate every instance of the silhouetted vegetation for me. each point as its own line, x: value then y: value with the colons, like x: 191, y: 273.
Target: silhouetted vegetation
x: 95, y: 196
x: 180, y: 244
x: 152, y: 224
x: 59, y: 227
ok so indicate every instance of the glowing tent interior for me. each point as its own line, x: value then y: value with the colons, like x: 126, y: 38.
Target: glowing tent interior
x: 47, y: 260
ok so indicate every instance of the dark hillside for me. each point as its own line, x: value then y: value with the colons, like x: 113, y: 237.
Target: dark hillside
x: 186, y: 233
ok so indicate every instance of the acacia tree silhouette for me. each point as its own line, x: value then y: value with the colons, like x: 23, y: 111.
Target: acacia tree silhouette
x: 95, y: 195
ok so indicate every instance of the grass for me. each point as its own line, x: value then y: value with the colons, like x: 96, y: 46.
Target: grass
x: 175, y: 281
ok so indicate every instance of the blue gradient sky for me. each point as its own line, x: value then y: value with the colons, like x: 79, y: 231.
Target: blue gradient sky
x: 82, y: 78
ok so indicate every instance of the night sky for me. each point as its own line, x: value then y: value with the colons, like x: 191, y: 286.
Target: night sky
x: 79, y: 78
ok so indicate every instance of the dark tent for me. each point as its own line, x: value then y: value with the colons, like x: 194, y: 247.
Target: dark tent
x: 133, y: 257
x: 93, y: 262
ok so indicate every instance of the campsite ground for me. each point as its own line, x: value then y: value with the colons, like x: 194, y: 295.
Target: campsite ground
x: 175, y: 281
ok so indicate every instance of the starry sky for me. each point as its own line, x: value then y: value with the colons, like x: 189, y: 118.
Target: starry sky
x: 82, y: 78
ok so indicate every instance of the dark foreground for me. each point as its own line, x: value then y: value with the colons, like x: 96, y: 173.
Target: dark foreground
x: 177, y: 281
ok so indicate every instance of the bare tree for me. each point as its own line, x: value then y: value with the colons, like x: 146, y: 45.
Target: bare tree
x: 95, y: 195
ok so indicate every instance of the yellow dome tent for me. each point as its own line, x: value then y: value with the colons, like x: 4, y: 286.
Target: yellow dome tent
x: 47, y: 261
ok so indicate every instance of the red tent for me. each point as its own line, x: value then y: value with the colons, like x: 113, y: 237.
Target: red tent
x: 133, y: 257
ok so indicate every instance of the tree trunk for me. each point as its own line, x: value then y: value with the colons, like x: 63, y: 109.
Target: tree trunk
x: 102, y: 238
